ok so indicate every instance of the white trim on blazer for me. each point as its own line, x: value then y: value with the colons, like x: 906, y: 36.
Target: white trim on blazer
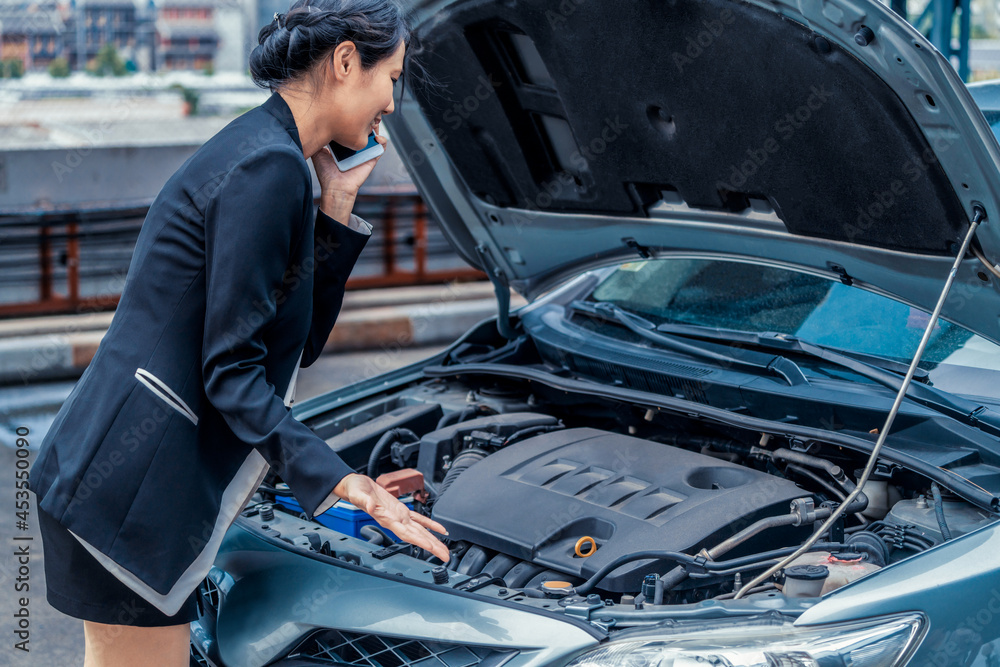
x: 158, y: 386
x: 234, y: 498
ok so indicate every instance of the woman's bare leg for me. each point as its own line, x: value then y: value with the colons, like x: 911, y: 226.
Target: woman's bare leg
x: 131, y: 646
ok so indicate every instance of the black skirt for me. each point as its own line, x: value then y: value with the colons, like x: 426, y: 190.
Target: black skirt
x: 78, y: 585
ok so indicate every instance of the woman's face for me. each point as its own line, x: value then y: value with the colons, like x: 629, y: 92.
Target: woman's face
x: 361, y: 98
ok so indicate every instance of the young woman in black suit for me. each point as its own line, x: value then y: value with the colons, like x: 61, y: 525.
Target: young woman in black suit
x: 234, y: 284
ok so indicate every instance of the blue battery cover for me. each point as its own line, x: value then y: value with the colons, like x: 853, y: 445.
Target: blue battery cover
x: 343, y: 516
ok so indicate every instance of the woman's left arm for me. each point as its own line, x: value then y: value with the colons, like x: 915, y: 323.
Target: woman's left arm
x: 340, y: 238
x: 336, y: 251
x: 249, y: 236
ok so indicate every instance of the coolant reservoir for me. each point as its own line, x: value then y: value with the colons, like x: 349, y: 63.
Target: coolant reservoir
x: 881, y: 496
x: 842, y: 572
x: 960, y: 516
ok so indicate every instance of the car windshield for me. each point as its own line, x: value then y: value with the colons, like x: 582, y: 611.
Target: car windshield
x: 751, y: 297
x: 993, y: 118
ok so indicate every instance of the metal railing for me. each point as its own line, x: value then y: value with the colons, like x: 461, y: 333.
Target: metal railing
x: 75, y: 261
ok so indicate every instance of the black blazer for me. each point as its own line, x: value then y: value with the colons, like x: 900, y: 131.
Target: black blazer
x: 179, y: 415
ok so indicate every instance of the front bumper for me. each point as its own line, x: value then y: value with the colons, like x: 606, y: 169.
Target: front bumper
x: 272, y: 601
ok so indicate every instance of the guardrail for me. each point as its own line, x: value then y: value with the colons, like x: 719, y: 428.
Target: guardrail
x: 74, y: 261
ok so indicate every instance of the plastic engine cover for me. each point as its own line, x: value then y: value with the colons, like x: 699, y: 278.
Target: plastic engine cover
x: 535, y: 498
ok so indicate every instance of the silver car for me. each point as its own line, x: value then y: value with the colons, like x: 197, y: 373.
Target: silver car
x: 750, y: 415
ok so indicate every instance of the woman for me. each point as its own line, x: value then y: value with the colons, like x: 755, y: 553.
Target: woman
x: 233, y: 285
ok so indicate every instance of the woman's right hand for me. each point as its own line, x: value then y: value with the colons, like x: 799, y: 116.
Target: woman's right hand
x: 366, y: 494
x: 339, y: 188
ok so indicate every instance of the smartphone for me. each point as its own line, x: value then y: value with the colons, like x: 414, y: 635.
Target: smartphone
x: 347, y: 158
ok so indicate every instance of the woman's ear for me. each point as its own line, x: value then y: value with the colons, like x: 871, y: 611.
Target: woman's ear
x: 344, y: 60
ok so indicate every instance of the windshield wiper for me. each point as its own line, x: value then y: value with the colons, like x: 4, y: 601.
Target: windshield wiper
x: 885, y: 374
x: 777, y: 365
x: 862, y: 364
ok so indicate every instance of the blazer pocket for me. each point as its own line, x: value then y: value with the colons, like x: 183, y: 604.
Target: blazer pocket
x: 158, y: 387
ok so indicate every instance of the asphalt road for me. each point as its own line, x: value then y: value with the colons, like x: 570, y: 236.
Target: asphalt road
x: 55, y: 639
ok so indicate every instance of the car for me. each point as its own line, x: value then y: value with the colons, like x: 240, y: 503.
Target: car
x: 750, y: 412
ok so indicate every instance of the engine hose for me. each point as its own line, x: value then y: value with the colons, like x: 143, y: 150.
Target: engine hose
x: 458, y: 417
x: 461, y: 548
x: 756, y: 561
x: 873, y: 548
x: 939, y: 511
x: 897, y: 541
x: 756, y: 565
x: 473, y: 561
x: 838, y: 495
x: 916, y: 546
x: 465, y: 459
x: 679, y: 574
x: 671, y: 579
x: 531, y: 430
x: 905, y: 534
x: 389, y: 437
x: 685, y: 559
x: 446, y: 420
x: 835, y: 471
x: 897, y: 534
x: 522, y: 573
x: 375, y: 535
x: 500, y: 565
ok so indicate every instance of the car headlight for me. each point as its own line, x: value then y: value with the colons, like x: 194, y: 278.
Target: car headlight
x: 880, y: 642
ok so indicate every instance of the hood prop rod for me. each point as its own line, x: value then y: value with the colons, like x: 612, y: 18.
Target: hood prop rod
x: 979, y: 216
x: 502, y: 290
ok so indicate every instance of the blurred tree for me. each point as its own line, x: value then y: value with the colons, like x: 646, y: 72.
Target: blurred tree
x: 59, y: 68
x: 107, y: 62
x: 11, y: 68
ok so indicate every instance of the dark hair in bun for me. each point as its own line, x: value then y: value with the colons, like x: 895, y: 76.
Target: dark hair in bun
x: 293, y: 42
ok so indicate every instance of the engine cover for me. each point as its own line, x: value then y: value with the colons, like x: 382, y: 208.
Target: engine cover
x: 535, y: 498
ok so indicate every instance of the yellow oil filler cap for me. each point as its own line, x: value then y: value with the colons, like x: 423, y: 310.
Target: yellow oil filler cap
x: 584, y: 540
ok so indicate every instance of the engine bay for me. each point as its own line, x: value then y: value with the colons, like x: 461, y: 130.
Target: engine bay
x: 556, y: 498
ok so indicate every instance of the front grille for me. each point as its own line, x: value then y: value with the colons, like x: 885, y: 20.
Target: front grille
x: 365, y: 650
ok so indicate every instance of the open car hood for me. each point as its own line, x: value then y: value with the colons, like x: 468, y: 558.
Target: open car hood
x: 551, y: 136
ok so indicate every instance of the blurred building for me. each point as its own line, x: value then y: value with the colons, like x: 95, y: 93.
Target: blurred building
x: 185, y: 34
x: 148, y: 35
x: 92, y: 24
x: 38, y: 31
x: 108, y: 22
x: 31, y: 32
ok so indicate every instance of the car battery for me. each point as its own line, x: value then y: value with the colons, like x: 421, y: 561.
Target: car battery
x: 343, y: 516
